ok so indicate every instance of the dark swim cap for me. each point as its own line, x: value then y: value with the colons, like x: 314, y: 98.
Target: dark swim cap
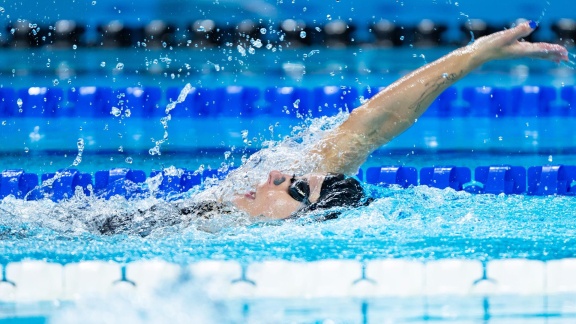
x: 337, y: 191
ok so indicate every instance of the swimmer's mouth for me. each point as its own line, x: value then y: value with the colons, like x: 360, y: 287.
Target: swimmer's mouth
x: 250, y: 195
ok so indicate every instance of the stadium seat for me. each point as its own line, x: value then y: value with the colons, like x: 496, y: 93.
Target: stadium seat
x: 61, y: 185
x: 487, y: 101
x: 444, y: 177
x: 40, y: 102
x: 532, y: 101
x: 119, y: 181
x: 330, y: 100
x: 17, y: 183
x: 392, y: 175
x: 552, y: 180
x: 499, y: 179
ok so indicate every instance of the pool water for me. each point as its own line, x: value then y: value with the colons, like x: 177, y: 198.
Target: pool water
x: 419, y: 225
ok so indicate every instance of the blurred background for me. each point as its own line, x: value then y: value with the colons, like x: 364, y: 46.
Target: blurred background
x: 102, y: 73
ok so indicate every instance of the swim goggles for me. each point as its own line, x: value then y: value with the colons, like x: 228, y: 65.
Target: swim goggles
x: 299, y: 190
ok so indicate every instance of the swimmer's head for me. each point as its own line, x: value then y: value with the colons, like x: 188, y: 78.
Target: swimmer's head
x: 282, y: 195
x: 336, y: 191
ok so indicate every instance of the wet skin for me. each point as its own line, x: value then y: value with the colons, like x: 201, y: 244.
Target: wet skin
x: 271, y: 198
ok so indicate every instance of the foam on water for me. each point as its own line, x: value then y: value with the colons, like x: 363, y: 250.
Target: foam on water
x: 419, y: 222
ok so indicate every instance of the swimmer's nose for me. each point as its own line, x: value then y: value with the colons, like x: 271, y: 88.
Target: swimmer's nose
x: 277, y: 177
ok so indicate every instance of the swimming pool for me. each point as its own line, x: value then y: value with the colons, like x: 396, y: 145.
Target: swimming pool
x: 416, y: 254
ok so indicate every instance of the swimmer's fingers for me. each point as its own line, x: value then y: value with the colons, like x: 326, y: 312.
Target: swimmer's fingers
x: 544, y: 51
x: 522, y: 30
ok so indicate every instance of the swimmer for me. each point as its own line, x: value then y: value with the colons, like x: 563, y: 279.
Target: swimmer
x: 345, y: 148
x: 377, y: 122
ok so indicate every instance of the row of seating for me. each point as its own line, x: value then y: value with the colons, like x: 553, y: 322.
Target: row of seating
x: 244, y: 101
x: 290, y: 33
x: 499, y: 179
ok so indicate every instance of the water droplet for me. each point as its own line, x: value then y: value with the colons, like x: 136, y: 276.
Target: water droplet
x: 550, y: 158
x: 120, y: 66
x: 93, y: 3
x: 127, y: 113
x: 401, y: 38
x: 296, y: 103
x: 74, y: 46
x: 262, y: 31
x: 129, y: 160
x: 445, y: 75
x: 19, y: 103
x: 115, y: 111
x: 121, y: 149
x: 4, y: 123
x: 241, y: 50
x: 302, y: 34
x: 55, y: 82
x: 2, y: 9
x: 26, y: 149
x: 257, y: 43
x: 103, y: 64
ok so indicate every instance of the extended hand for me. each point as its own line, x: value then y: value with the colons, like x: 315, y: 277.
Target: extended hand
x: 506, y: 44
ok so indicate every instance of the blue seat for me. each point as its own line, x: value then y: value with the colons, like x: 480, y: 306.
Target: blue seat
x: 41, y: 102
x: 236, y: 101
x: 568, y: 94
x: 532, y: 101
x: 442, y: 105
x: 288, y: 101
x: 444, y: 177
x: 392, y: 175
x: 86, y: 102
x: 119, y: 181
x: 499, y: 179
x: 190, y: 179
x: 142, y: 102
x: 177, y: 182
x: 8, y: 106
x: 174, y: 182
x: 153, y: 101
x: 200, y: 102
x: 552, y: 180
x: 215, y: 174
x: 17, y: 183
x: 487, y: 101
x: 330, y: 100
x: 61, y: 185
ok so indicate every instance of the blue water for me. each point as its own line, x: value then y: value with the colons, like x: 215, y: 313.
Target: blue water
x: 417, y: 223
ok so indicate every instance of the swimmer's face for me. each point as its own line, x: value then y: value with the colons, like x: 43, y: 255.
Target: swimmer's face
x: 272, y: 198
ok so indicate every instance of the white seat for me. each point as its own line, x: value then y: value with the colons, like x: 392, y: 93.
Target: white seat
x: 149, y: 274
x: 89, y: 278
x: 396, y: 277
x: 36, y: 280
x: 451, y: 276
x: 221, y: 279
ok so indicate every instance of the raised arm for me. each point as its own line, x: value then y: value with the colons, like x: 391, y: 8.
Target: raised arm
x: 397, y: 107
